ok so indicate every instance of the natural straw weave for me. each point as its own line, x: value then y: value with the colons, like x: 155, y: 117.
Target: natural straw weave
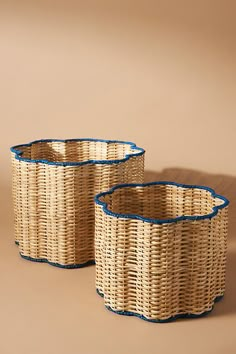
x: 54, y: 184
x: 160, y: 249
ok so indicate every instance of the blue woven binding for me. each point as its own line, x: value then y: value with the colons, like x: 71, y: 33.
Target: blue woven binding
x: 68, y: 266
x: 18, y: 153
x: 160, y: 221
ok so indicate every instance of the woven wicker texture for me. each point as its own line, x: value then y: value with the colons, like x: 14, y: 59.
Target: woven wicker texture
x: 54, y: 183
x: 160, y: 249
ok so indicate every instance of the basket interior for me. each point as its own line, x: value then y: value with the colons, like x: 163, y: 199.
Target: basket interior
x: 161, y: 201
x: 76, y: 151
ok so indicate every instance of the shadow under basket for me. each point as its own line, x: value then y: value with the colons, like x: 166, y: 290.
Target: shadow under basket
x: 160, y: 249
x: 54, y: 184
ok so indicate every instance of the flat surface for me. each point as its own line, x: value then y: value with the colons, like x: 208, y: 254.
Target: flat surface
x: 54, y: 311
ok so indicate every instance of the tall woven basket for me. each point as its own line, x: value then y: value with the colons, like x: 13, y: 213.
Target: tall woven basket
x: 54, y: 184
x: 160, y: 249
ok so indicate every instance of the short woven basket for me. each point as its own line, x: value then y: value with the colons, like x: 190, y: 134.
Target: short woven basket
x: 160, y: 249
x: 54, y: 184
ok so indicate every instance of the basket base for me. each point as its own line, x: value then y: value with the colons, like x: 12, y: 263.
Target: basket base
x: 65, y: 266
x: 170, y: 319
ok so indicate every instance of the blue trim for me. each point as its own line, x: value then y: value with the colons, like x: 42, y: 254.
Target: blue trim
x: 170, y: 319
x: 69, y: 266
x: 160, y: 221
x: 99, y: 293
x: 18, y: 153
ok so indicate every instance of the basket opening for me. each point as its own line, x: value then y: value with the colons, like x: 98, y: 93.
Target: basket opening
x: 77, y: 151
x: 161, y: 201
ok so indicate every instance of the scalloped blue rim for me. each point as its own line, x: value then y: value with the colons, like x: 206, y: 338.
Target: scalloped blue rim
x: 170, y: 319
x: 18, y: 153
x: 161, y: 221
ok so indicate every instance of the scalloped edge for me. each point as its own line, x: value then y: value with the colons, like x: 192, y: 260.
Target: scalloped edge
x: 161, y: 221
x: 170, y: 319
x: 44, y: 260
x: 65, y: 266
x: 18, y: 153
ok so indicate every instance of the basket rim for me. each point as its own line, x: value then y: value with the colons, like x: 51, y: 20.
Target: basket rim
x: 214, y: 212
x: 18, y: 153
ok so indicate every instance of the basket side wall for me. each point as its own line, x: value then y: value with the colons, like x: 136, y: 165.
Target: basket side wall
x: 54, y: 206
x: 160, y: 271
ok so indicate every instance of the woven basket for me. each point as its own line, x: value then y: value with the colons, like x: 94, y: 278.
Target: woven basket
x: 54, y: 184
x: 160, y: 249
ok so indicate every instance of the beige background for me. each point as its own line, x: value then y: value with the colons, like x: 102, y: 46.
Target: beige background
x: 160, y: 73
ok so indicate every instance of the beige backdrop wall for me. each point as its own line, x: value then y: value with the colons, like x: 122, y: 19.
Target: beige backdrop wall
x: 160, y: 73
